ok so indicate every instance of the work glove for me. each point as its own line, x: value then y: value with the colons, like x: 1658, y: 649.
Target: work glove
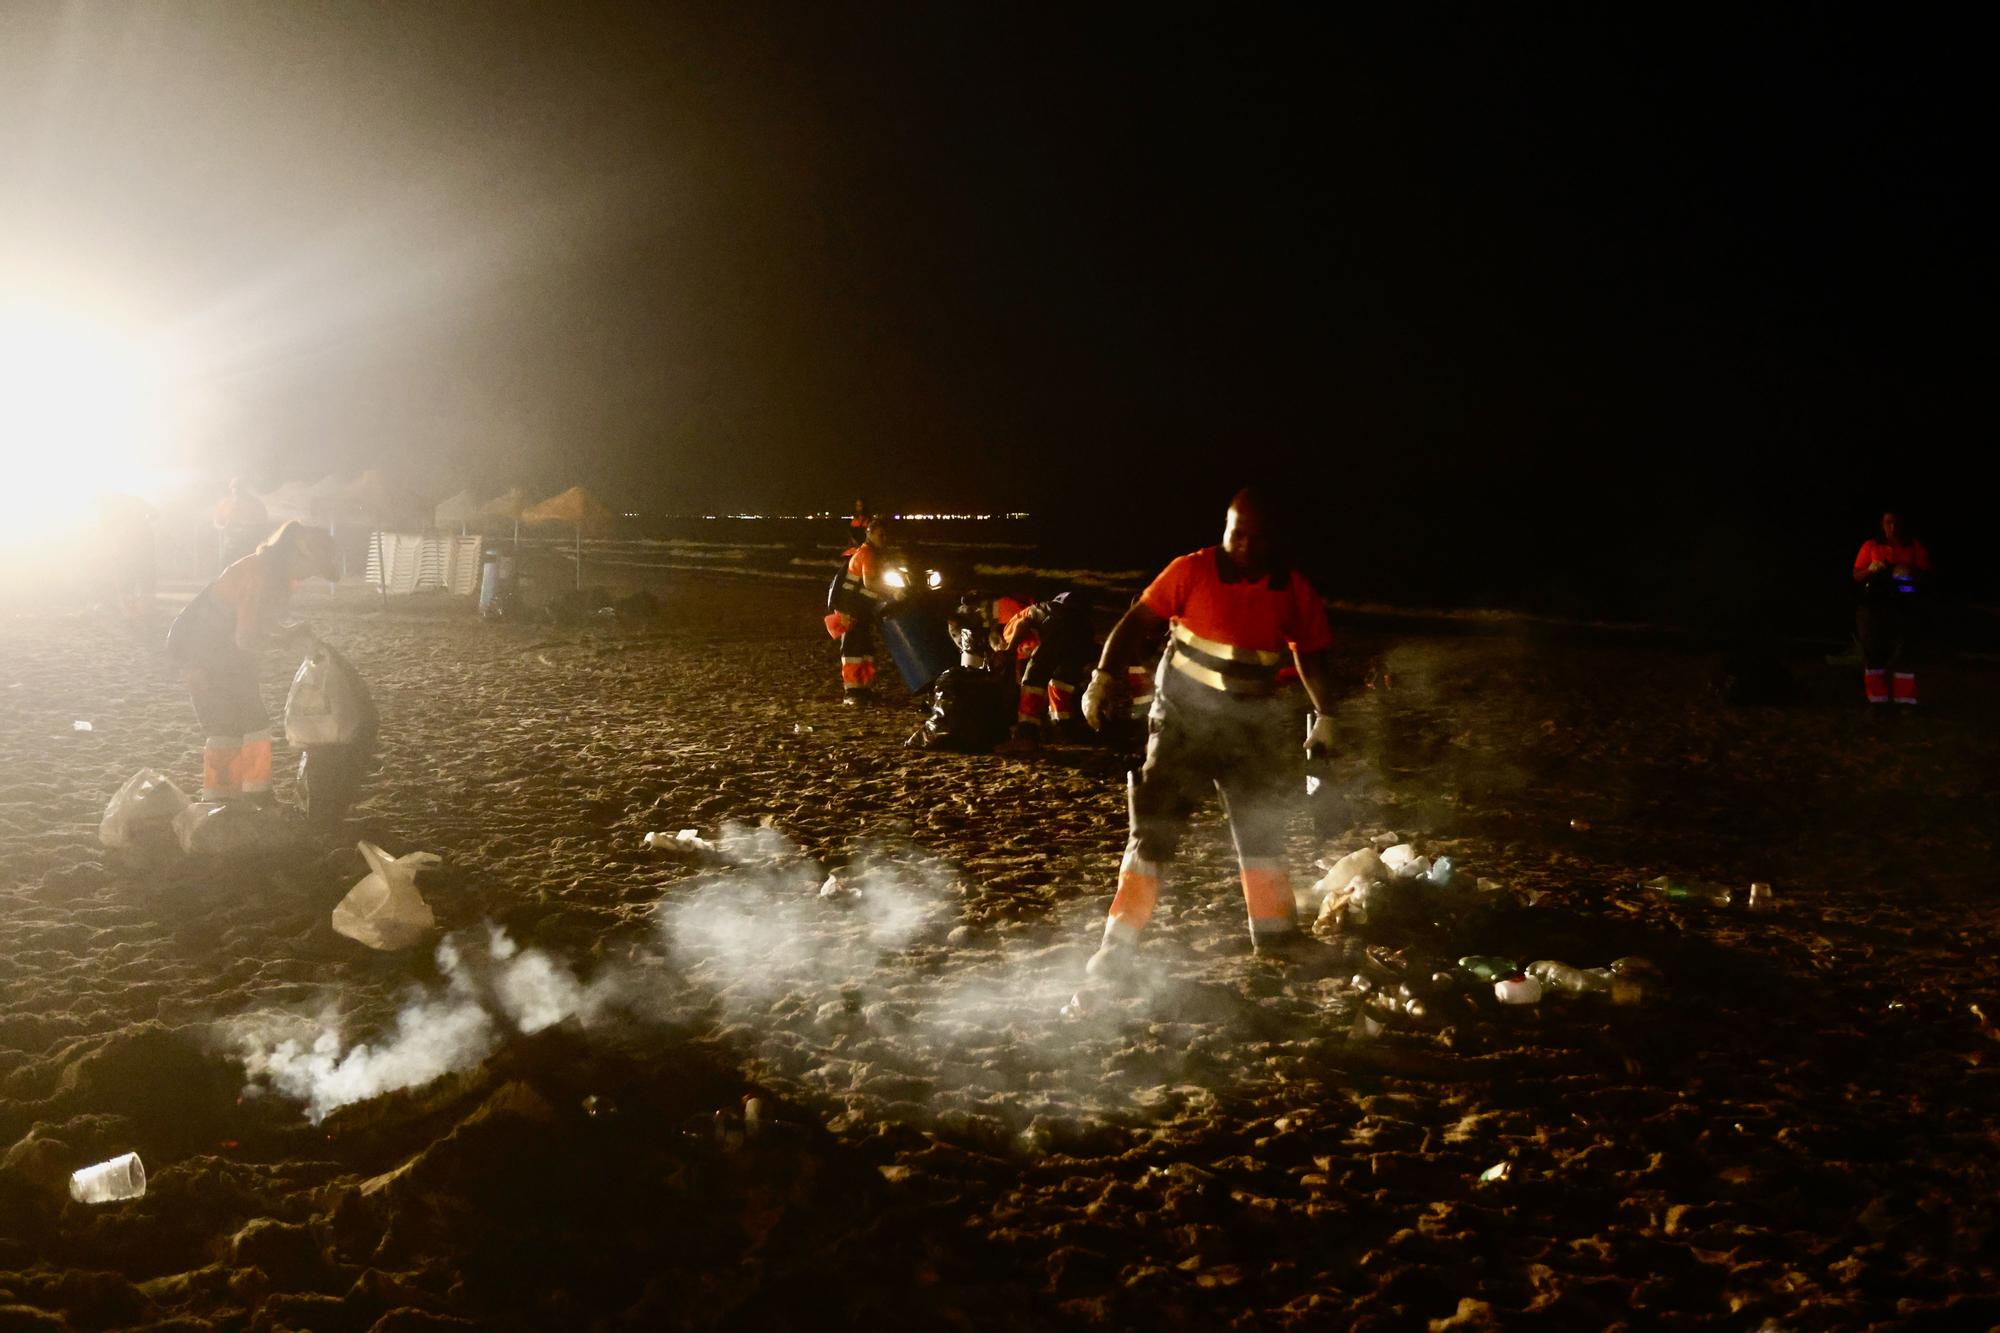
x: 1100, y: 697
x: 1319, y: 737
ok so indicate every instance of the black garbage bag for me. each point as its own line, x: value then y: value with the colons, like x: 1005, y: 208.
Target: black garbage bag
x: 968, y: 712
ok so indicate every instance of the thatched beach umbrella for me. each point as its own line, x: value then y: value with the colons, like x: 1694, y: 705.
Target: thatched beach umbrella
x: 508, y: 504
x: 459, y: 510
x: 576, y: 507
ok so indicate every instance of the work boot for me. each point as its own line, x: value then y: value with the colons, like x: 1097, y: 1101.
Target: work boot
x: 1112, y: 965
x: 857, y: 699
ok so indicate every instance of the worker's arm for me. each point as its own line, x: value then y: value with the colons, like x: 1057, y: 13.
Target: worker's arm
x: 1315, y: 675
x: 1139, y: 626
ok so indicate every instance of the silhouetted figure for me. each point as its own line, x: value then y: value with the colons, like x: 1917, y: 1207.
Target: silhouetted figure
x: 127, y: 525
x: 1890, y: 572
x: 240, y: 523
x: 214, y: 643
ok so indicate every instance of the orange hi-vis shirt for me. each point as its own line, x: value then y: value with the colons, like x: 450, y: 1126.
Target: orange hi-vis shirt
x: 254, y: 591
x: 1229, y: 632
x: 1911, y: 553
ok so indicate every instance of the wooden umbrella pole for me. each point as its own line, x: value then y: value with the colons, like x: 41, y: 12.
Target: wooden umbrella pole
x: 579, y: 556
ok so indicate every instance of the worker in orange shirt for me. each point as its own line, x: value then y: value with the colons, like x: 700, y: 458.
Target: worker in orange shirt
x: 1234, y: 614
x: 1057, y: 642
x: 1890, y: 572
x: 214, y: 642
x: 857, y: 596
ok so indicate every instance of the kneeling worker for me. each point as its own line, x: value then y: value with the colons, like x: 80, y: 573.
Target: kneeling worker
x: 1234, y: 614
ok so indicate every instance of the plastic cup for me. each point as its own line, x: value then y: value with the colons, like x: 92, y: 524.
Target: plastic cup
x: 108, y: 1182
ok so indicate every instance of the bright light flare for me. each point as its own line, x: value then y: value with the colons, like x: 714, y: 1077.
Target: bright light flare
x: 83, y: 410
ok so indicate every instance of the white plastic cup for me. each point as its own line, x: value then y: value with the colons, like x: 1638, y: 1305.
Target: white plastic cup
x: 108, y: 1182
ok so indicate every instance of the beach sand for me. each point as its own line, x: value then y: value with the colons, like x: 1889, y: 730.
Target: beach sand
x: 544, y: 1125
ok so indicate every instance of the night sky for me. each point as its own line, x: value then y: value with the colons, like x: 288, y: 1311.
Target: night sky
x: 1546, y: 300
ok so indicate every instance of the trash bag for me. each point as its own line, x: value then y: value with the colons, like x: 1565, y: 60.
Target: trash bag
x: 968, y: 712
x: 326, y: 705
x: 384, y: 910
x: 142, y: 813
x: 330, y: 700
x: 233, y: 828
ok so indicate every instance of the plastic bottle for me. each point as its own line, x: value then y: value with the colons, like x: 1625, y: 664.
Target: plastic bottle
x: 1440, y: 873
x: 1517, y: 989
x: 1488, y: 967
x: 1569, y: 980
x: 1691, y: 891
x: 1617, y: 987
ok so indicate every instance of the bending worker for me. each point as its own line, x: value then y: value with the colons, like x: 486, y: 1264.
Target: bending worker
x: 1234, y: 614
x: 1056, y: 636
x: 214, y: 642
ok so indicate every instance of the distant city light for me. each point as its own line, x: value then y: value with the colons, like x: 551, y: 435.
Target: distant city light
x: 914, y: 518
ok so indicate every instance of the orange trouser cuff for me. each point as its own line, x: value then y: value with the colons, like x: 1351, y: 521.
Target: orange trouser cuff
x: 253, y: 763
x: 1138, y: 891
x: 857, y: 673
x: 221, y: 758
x: 1267, y: 893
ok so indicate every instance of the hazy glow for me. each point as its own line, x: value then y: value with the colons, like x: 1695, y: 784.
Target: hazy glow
x: 82, y: 412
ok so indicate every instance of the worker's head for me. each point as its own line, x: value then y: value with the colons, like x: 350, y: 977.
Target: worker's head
x: 305, y: 552
x: 1249, y: 534
x: 880, y: 531
x: 1892, y: 525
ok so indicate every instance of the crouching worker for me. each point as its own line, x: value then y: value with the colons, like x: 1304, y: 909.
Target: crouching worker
x: 1059, y: 642
x: 1234, y: 615
x: 214, y: 643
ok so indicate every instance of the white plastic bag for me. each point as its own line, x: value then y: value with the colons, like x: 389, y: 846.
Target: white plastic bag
x: 384, y: 910
x: 149, y: 799
x: 322, y: 707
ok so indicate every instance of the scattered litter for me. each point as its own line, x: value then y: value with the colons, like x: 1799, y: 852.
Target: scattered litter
x: 688, y: 842
x: 1761, y: 899
x: 1365, y: 1028
x: 1498, y: 1171
x: 109, y: 1182
x: 81, y: 725
x: 800, y: 728
x: 834, y: 891
x: 1517, y: 989
x: 1621, y: 988
x: 1580, y: 825
x: 753, y: 1116
x: 598, y: 1106
x: 143, y: 810
x: 384, y: 910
